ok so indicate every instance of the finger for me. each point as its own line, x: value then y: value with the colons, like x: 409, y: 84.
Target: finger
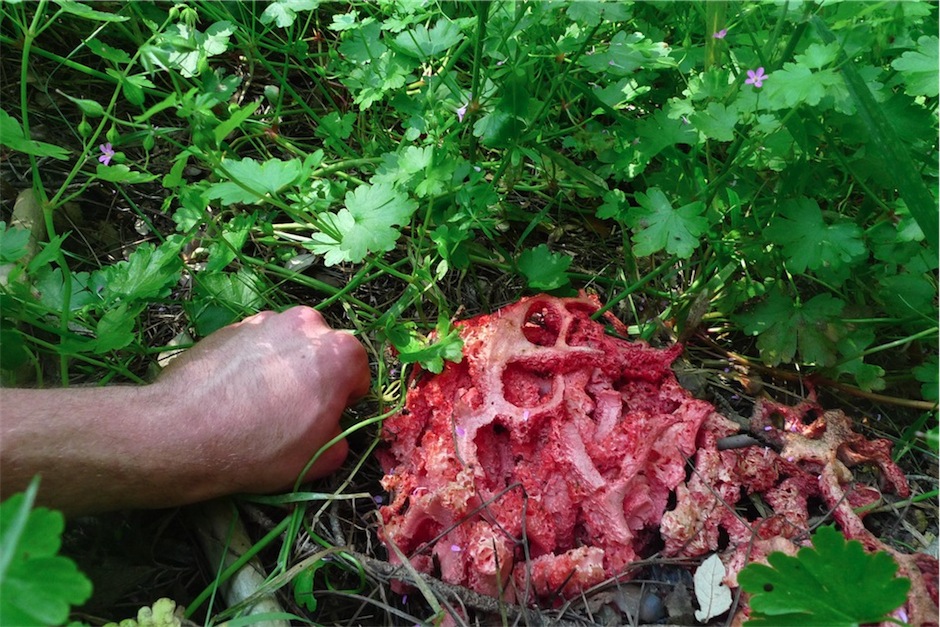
x: 306, y: 316
x: 360, y: 377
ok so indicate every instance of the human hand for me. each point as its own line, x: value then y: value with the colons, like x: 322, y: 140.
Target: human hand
x: 263, y: 395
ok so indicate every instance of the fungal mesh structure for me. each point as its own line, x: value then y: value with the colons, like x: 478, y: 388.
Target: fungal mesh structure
x: 556, y: 455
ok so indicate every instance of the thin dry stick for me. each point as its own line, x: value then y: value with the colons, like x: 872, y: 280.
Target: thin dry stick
x: 465, y: 596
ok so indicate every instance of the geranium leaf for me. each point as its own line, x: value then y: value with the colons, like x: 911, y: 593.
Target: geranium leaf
x: 422, y: 43
x: 809, y: 243
x: 657, y: 225
x: 284, y: 12
x: 795, y: 84
x: 919, y: 67
x: 716, y: 121
x: 11, y: 135
x: 38, y: 586
x: 783, y: 325
x: 544, y: 269
x: 833, y: 583
x: 366, y: 225
x: 14, y: 243
x: 255, y: 181
x: 148, y: 273
x: 614, y: 205
x: 429, y: 352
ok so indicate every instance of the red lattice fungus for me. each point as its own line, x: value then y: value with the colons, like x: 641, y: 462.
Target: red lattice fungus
x: 544, y: 462
x: 550, y: 436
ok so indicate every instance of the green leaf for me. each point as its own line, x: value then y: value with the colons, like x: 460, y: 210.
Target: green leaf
x: 120, y: 173
x: 366, y: 225
x: 833, y: 583
x: 106, y: 52
x: 544, y: 269
x: 363, y: 44
x: 783, y: 325
x: 216, y: 38
x: 345, y: 21
x: 115, y: 329
x: 220, y: 299
x: 14, y: 243
x: 284, y: 12
x: 83, y: 11
x: 808, y: 242
x: 372, y: 81
x: 614, y: 206
x: 795, y: 84
x: 13, y: 353
x: 657, y: 225
x: 50, y: 250
x: 37, y: 586
x: 423, y: 44
x: 716, y: 121
x: 50, y: 288
x: 657, y: 132
x: 255, y: 181
x: 223, y: 251
x: 868, y: 376
x: 431, y: 351
x: 425, y: 170
x: 303, y: 589
x: 591, y: 12
x: 818, y: 56
x: 497, y: 129
x: 240, y: 115
x: 907, y: 294
x: 186, y: 49
x: 627, y: 53
x: 335, y: 128
x: 11, y: 136
x: 91, y: 108
x: 928, y: 374
x: 920, y: 67
x: 133, y: 88
x: 148, y: 273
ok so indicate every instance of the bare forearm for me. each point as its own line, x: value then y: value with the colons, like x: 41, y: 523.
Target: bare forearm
x: 245, y: 410
x: 95, y: 448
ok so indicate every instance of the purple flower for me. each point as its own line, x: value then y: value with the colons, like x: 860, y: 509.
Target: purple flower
x: 720, y: 34
x: 455, y: 548
x: 756, y: 78
x: 461, y: 431
x: 378, y: 499
x: 461, y: 111
x: 107, y: 152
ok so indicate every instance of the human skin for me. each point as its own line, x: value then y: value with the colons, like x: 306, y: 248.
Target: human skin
x: 244, y: 410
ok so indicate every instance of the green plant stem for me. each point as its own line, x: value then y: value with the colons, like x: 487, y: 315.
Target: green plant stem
x: 482, y: 8
x: 649, y: 276
x: 877, y: 349
x: 334, y: 292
